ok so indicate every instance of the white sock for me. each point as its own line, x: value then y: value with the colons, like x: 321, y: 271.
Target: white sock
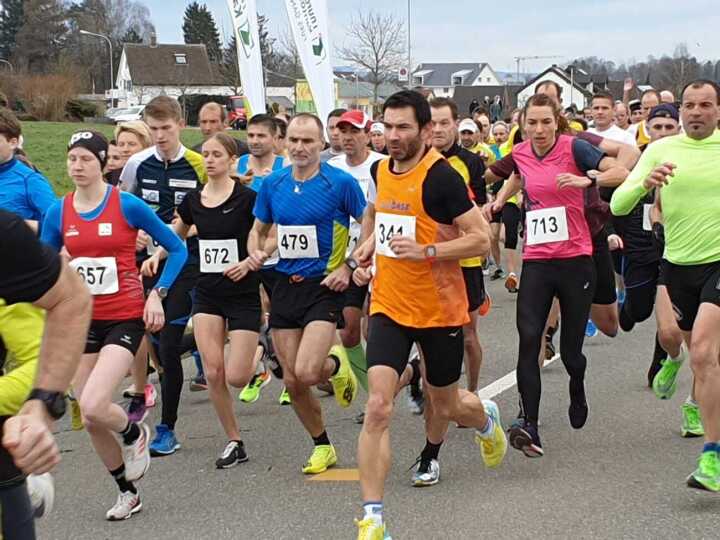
x: 691, y: 401
x: 487, y: 431
x: 373, y: 510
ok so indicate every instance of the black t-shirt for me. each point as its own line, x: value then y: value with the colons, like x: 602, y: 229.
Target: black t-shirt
x: 445, y: 195
x: 29, y: 268
x: 475, y: 169
x: 232, y: 220
x: 242, y: 148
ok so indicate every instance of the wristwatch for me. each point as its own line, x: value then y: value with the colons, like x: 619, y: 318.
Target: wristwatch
x: 592, y: 175
x: 54, y: 401
x: 162, y: 292
x: 430, y: 252
x: 351, y: 263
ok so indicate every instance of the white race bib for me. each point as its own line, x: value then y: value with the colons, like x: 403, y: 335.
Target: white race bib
x: 353, y: 237
x: 647, y: 225
x: 546, y: 225
x: 217, y: 255
x: 100, y: 274
x: 389, y: 225
x: 298, y: 242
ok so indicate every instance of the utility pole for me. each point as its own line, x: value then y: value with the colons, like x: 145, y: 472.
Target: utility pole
x: 409, y: 60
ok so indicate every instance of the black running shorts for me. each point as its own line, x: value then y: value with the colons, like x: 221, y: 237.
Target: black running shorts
x: 127, y: 334
x: 295, y: 304
x: 242, y: 312
x: 389, y: 344
x: 474, y: 286
x: 690, y: 286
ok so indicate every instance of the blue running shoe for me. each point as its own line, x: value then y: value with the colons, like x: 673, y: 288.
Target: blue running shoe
x: 590, y: 329
x: 164, y: 442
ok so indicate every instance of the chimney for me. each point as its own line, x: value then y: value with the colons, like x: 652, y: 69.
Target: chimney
x: 153, y: 39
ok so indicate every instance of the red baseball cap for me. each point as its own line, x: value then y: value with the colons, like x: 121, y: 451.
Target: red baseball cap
x: 356, y: 119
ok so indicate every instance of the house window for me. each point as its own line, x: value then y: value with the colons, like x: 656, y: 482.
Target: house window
x: 487, y: 79
x: 418, y: 81
x: 457, y: 81
x: 128, y: 86
x: 180, y: 59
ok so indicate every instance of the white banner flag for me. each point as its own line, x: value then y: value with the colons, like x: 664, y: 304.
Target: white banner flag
x: 309, y: 23
x: 245, y: 25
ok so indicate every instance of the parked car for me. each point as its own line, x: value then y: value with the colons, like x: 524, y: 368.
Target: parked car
x: 112, y: 112
x: 130, y: 114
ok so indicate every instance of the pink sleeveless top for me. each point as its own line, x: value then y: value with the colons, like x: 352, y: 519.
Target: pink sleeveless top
x: 541, y: 193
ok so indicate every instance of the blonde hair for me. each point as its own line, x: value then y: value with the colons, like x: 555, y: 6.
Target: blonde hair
x: 137, y: 128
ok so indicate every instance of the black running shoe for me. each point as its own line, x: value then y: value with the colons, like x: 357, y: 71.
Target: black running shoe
x: 524, y: 436
x: 233, y: 454
x: 578, y: 410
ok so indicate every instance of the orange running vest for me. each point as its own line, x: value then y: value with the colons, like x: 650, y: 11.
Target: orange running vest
x: 416, y: 294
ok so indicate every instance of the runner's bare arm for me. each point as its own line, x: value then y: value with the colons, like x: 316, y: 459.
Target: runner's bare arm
x: 366, y: 245
x: 258, y: 244
x: 625, y: 154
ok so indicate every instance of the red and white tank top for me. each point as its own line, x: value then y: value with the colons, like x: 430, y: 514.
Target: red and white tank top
x: 555, y: 224
x: 103, y: 253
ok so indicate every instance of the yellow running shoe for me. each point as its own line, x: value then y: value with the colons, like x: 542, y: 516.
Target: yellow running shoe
x: 492, y: 449
x: 77, y: 423
x: 344, y: 381
x: 368, y: 529
x: 322, y: 458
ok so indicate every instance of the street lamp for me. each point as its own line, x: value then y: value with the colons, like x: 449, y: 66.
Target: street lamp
x: 112, y: 82
x: 3, y: 61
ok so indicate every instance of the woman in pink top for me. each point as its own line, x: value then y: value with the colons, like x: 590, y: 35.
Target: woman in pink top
x: 557, y: 176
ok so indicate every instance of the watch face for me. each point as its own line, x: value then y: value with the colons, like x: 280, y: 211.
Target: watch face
x: 430, y: 251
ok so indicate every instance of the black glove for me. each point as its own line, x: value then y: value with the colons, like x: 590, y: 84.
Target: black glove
x: 658, y: 236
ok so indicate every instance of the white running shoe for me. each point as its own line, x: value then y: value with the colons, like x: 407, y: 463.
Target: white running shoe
x: 127, y: 504
x: 41, y: 489
x: 427, y: 473
x: 137, y: 455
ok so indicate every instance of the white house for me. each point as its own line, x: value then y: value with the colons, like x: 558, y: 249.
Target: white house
x: 442, y: 78
x: 147, y: 71
x: 573, y: 91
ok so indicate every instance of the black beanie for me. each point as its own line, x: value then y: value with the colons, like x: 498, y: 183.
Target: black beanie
x: 93, y: 141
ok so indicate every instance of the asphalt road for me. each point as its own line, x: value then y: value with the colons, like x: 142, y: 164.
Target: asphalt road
x: 622, y: 476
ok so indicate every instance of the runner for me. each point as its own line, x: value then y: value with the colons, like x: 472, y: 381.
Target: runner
x: 162, y: 175
x: 262, y: 133
x: 24, y: 191
x: 666, y: 96
x: 311, y: 203
x: 425, y: 223
x: 31, y: 272
x: 98, y: 227
x: 212, y: 119
x: 377, y: 138
x: 115, y: 164
x: 684, y: 169
x: 557, y: 257
x: 648, y: 100
x: 621, y: 116
x: 227, y: 295
x: 471, y: 168
x: 602, y: 111
x: 333, y: 134
x: 356, y: 161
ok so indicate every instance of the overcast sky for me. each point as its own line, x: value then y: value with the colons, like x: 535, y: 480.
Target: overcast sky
x: 482, y: 31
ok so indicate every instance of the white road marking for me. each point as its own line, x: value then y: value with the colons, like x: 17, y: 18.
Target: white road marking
x: 503, y: 383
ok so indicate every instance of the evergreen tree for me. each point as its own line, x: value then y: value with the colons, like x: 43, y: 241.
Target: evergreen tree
x: 199, y: 27
x: 11, y: 19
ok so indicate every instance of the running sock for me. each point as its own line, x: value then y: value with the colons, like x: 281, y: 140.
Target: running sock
x: 358, y: 363
x: 131, y: 433
x: 123, y: 483
x: 710, y: 447
x: 431, y: 451
x: 373, y: 510
x: 487, y: 431
x: 691, y: 401
x: 321, y: 439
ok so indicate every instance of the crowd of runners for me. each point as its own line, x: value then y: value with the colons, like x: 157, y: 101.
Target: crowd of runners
x: 355, y: 266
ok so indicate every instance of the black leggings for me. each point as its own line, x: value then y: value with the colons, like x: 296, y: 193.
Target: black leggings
x: 641, y: 282
x: 511, y: 220
x: 572, y: 281
x: 18, y: 521
x: 178, y: 307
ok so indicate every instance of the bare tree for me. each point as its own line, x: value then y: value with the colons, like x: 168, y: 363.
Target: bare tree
x: 377, y: 44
